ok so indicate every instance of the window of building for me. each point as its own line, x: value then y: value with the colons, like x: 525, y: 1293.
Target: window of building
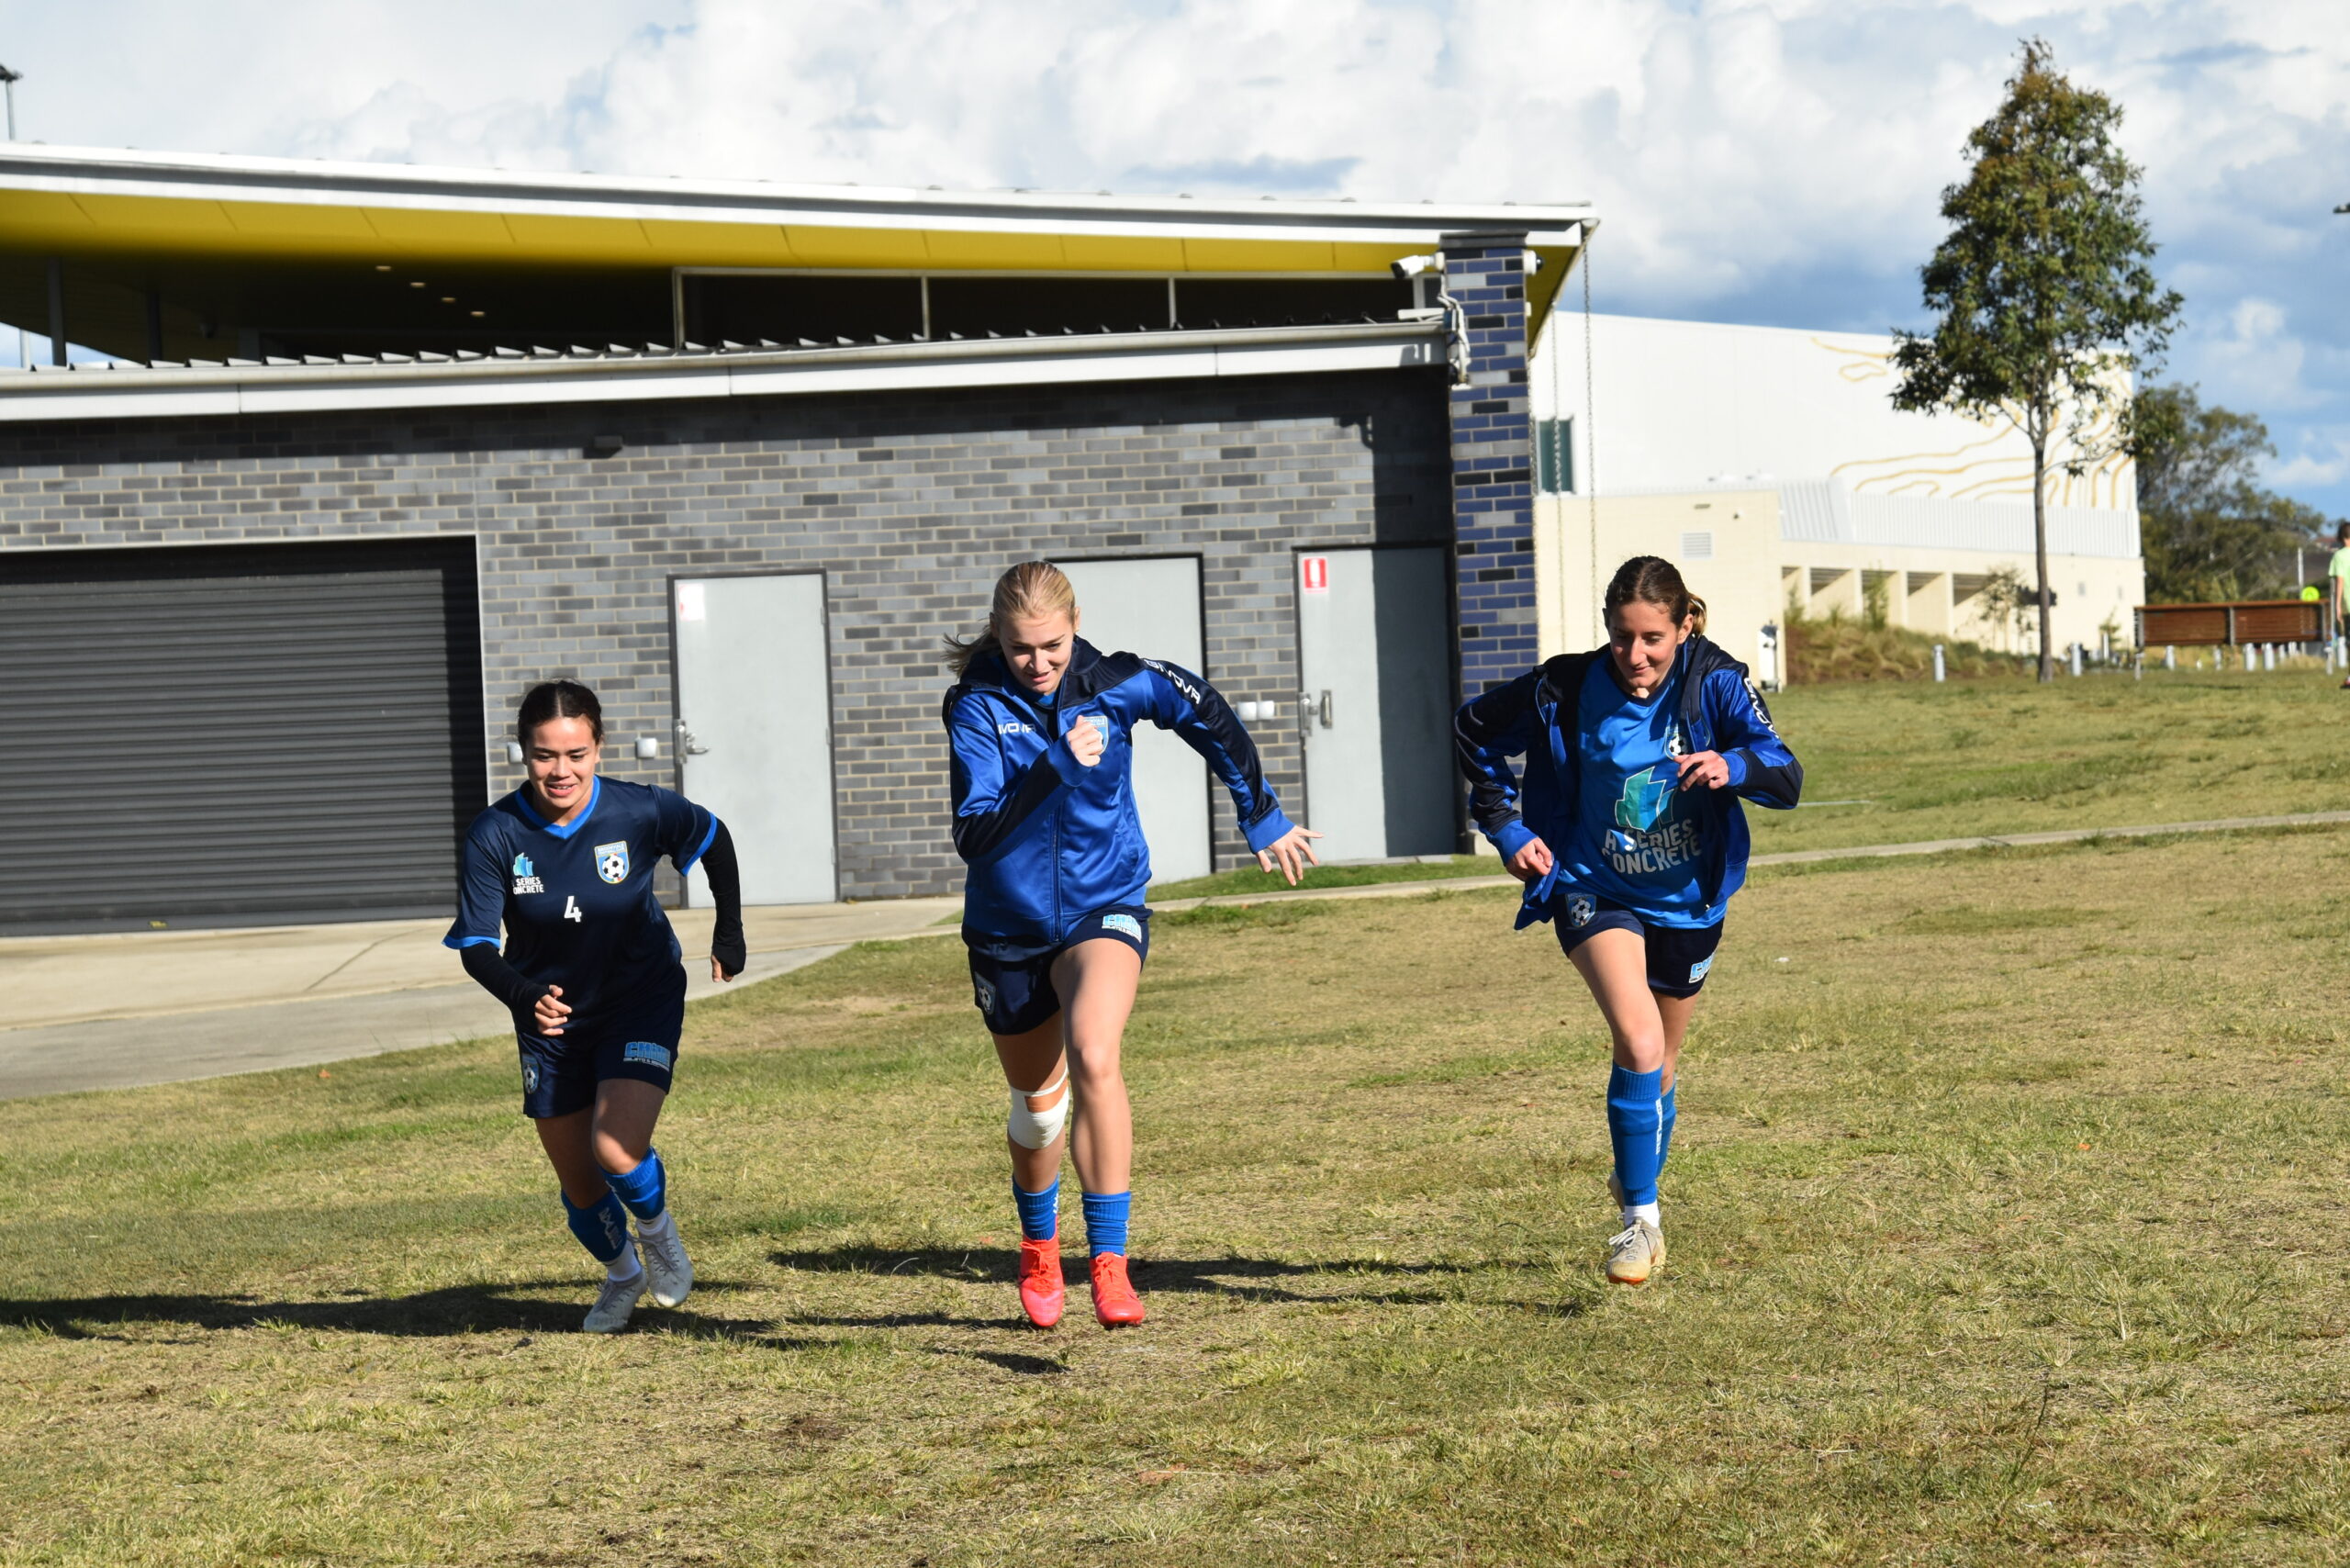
x: 1555, y: 457
x: 784, y: 307
x: 975, y: 306
x: 1287, y: 302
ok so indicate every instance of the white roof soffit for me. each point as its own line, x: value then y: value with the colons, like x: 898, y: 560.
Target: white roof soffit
x: 86, y: 170
x: 131, y: 392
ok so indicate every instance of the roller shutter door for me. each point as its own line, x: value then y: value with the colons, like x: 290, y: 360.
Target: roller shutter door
x: 237, y: 733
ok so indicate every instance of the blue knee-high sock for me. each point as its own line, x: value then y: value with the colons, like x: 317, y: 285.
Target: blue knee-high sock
x: 1105, y: 1222
x: 1664, y: 1145
x: 601, y: 1227
x: 1636, y: 1126
x: 645, y: 1190
x: 1040, y: 1213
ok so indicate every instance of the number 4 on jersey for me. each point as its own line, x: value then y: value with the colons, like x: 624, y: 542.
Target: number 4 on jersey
x: 571, y: 910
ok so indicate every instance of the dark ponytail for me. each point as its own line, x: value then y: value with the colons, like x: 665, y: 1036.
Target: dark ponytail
x: 558, y: 699
x: 1652, y: 579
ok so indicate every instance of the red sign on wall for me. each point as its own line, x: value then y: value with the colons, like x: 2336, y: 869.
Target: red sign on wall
x: 1315, y: 573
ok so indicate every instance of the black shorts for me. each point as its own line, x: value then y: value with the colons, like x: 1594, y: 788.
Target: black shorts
x: 1678, y: 956
x: 1015, y: 994
x: 639, y: 1040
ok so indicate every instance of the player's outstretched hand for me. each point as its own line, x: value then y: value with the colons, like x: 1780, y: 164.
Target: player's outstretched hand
x: 551, y: 1010
x: 1085, y: 740
x: 719, y: 972
x: 1293, y: 853
x: 1707, y: 767
x: 1532, y: 862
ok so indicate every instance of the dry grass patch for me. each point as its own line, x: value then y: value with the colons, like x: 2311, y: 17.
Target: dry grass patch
x: 2006, y: 1211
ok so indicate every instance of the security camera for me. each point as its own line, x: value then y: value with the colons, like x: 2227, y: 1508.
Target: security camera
x: 1417, y: 266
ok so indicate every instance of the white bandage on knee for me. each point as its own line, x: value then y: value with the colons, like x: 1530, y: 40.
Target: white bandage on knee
x: 1037, y: 1129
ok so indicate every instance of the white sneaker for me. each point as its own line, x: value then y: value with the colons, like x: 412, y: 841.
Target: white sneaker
x: 614, y: 1303
x: 1635, y: 1253
x: 664, y: 1252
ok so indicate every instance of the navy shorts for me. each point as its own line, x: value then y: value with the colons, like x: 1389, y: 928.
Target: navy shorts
x: 638, y: 1040
x: 1678, y: 956
x: 1016, y: 994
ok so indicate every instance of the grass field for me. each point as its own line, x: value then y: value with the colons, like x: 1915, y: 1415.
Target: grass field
x: 1891, y: 763
x: 2006, y: 1214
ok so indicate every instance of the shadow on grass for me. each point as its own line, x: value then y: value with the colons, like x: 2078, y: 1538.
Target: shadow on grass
x: 458, y: 1310
x: 1249, y: 1279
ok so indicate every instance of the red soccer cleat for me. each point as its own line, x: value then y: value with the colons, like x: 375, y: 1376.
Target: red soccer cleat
x: 1115, y: 1301
x: 1040, y: 1281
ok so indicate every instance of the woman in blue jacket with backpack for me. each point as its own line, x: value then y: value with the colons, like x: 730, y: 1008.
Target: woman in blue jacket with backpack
x: 1041, y: 726
x: 1629, y: 838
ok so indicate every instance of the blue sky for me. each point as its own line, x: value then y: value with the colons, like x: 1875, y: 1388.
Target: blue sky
x: 1776, y: 162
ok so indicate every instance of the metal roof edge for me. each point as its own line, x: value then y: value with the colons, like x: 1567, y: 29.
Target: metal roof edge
x: 225, y: 176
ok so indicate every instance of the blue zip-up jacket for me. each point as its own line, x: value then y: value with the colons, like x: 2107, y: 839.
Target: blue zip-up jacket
x: 1720, y: 711
x: 1050, y: 841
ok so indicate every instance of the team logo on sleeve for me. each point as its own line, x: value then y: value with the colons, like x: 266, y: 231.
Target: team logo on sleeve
x: 526, y: 878
x: 611, y: 862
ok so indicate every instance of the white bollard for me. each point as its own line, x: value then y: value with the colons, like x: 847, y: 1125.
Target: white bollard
x: 2268, y: 655
x: 2076, y: 658
x: 2170, y: 655
x: 1938, y: 661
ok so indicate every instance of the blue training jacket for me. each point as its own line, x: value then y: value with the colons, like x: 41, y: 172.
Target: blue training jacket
x: 1720, y: 711
x: 1050, y: 841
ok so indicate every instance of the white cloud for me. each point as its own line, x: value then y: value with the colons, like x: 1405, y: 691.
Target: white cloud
x: 1764, y: 159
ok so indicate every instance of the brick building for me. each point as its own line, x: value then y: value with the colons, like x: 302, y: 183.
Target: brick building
x: 377, y: 448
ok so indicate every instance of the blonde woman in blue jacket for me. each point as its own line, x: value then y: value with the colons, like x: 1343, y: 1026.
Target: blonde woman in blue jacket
x: 1040, y: 725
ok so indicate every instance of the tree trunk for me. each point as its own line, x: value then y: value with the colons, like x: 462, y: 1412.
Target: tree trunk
x: 2039, y: 549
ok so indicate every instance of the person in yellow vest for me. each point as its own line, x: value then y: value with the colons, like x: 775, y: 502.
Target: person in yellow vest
x: 2337, y: 577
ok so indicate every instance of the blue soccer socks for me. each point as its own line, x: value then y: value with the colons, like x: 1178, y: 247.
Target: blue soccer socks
x: 645, y: 1190
x: 1040, y: 1213
x: 1105, y: 1222
x: 1636, y: 1125
x: 602, y: 1229
x: 1664, y: 1148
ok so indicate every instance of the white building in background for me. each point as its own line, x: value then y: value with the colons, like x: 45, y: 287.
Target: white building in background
x: 1772, y: 467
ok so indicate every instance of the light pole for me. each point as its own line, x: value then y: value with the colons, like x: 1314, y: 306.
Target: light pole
x: 9, y: 80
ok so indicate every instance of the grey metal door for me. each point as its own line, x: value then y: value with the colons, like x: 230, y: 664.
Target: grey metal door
x: 1373, y: 648
x: 1152, y: 606
x: 237, y: 733
x: 755, y: 733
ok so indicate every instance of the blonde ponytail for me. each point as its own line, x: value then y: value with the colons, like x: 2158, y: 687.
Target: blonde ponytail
x: 1029, y: 590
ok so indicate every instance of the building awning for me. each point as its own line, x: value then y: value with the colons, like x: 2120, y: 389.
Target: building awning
x: 83, y: 201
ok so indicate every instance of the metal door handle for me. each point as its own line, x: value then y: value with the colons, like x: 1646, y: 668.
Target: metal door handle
x: 1326, y: 710
x: 686, y: 745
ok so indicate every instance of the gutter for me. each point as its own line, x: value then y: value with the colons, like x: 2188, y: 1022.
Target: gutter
x: 580, y: 376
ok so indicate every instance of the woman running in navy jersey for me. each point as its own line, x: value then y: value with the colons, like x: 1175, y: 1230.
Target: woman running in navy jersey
x: 592, y: 975
x: 1631, y: 840
x: 1040, y: 728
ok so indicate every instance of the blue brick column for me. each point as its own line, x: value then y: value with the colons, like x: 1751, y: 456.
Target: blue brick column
x: 1492, y: 463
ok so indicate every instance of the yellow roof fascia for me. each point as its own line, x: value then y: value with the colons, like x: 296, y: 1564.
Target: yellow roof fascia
x: 1542, y: 291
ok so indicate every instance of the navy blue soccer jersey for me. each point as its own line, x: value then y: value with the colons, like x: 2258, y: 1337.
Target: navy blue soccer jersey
x: 577, y: 901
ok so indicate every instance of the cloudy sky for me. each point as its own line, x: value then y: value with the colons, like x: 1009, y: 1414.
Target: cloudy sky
x: 1761, y: 160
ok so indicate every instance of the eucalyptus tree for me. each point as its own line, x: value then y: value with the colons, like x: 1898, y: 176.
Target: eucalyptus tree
x: 2043, y: 290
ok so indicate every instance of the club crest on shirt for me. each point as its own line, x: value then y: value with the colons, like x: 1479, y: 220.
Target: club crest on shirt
x: 1580, y: 909
x: 611, y: 862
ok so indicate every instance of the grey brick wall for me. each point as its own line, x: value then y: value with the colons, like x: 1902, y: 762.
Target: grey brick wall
x: 910, y: 504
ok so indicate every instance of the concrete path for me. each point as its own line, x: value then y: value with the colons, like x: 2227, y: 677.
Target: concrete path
x: 1798, y: 858
x: 114, y: 1011
x: 119, y: 1010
